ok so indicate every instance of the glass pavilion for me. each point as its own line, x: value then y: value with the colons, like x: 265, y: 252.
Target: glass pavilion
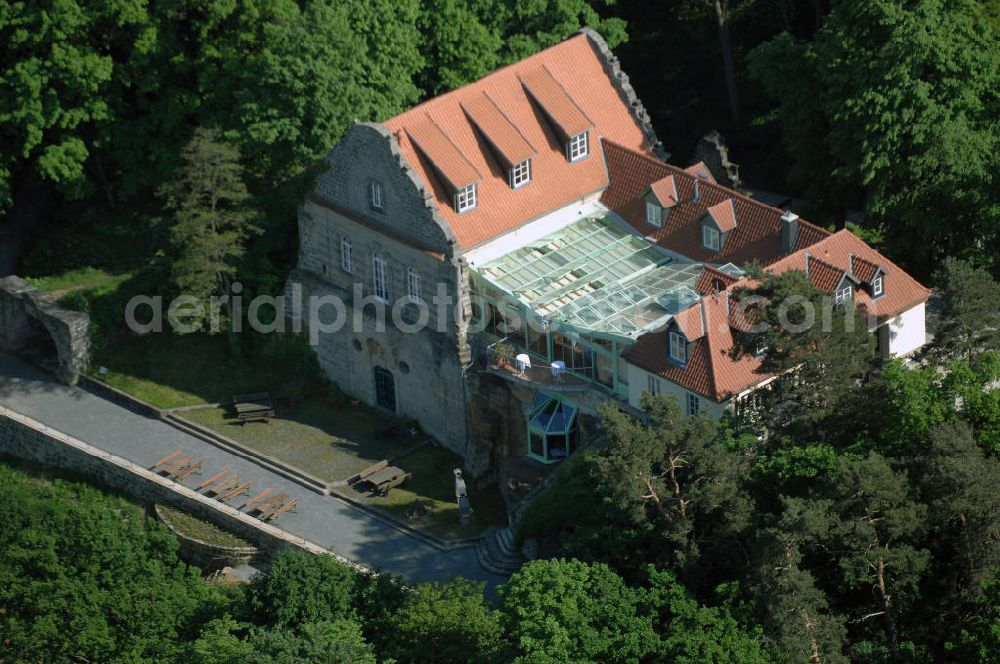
x: 581, y: 295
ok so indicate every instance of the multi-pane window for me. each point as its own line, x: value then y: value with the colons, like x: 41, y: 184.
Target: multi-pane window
x: 653, y: 385
x: 520, y: 174
x: 710, y: 238
x: 375, y: 195
x: 346, y: 262
x: 413, y: 285
x: 877, y: 286
x: 694, y: 404
x: 678, y: 347
x: 843, y: 295
x: 577, y: 147
x: 465, y: 199
x: 653, y: 214
x: 380, y: 283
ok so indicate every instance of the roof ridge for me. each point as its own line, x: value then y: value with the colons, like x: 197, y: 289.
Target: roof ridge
x: 496, y: 71
x: 724, y: 189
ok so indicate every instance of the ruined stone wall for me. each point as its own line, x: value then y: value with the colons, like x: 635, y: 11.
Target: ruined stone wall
x: 21, y: 303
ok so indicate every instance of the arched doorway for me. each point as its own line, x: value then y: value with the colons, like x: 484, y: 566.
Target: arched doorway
x: 385, y: 390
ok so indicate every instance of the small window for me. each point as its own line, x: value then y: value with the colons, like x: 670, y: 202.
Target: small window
x: 413, y: 285
x: 375, y: 196
x: 653, y: 385
x: 710, y: 238
x: 877, y: 286
x: 843, y: 295
x: 694, y: 404
x: 654, y: 214
x: 380, y: 285
x: 678, y: 347
x: 346, y: 262
x: 520, y: 174
x: 577, y: 147
x: 465, y: 199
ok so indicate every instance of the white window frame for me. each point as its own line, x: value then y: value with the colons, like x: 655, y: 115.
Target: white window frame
x: 380, y: 282
x: 577, y: 147
x: 878, y: 286
x: 466, y: 198
x: 843, y: 295
x: 346, y: 258
x: 653, y: 385
x: 693, y: 404
x: 654, y: 214
x: 710, y: 238
x: 520, y: 174
x: 678, y: 348
x: 413, y: 285
x: 375, y: 199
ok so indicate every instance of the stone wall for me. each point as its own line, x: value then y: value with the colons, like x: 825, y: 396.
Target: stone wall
x: 24, y: 307
x: 712, y: 150
x: 25, y: 438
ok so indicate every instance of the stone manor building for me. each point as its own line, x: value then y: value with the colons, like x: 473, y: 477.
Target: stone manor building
x: 538, y: 203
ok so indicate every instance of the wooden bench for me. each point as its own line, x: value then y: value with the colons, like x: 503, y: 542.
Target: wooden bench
x: 250, y: 503
x: 212, y: 480
x: 232, y: 493
x: 270, y: 503
x: 182, y: 474
x: 165, y: 459
x: 253, y: 407
x: 225, y: 485
x: 279, y: 510
x: 176, y: 465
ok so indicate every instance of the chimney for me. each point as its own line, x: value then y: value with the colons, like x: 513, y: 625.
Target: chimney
x: 697, y: 190
x: 789, y: 231
x: 808, y: 256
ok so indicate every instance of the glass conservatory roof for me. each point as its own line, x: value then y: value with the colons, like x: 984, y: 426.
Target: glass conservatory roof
x: 550, y: 415
x: 597, y: 275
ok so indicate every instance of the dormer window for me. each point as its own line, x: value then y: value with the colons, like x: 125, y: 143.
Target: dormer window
x: 678, y: 348
x: 878, y: 288
x: 520, y: 174
x: 577, y: 147
x: 465, y: 198
x: 375, y: 196
x: 710, y: 238
x: 654, y: 214
x: 842, y: 295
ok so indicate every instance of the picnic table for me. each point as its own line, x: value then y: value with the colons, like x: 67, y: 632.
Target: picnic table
x: 387, y: 478
x: 250, y: 407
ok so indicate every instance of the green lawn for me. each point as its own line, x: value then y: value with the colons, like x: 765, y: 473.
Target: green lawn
x: 83, y: 278
x: 169, y: 371
x: 195, y: 528
x: 433, y: 483
x: 325, y: 437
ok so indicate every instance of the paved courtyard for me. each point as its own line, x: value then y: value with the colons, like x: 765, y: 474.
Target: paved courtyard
x: 325, y: 520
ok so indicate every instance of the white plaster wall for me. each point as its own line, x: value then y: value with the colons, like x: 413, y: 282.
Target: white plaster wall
x: 638, y: 382
x: 907, y: 331
x: 535, y: 230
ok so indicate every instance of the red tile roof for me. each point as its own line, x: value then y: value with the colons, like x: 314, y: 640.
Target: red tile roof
x: 824, y: 276
x: 447, y: 159
x: 691, y: 322
x: 580, y: 70
x: 723, y: 215
x: 756, y: 238
x: 902, y: 292
x: 562, y: 110
x: 665, y: 191
x: 712, y: 280
x: 499, y: 130
x: 864, y: 271
x: 700, y: 170
x: 710, y: 370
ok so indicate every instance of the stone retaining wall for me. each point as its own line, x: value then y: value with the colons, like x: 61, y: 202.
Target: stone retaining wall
x: 26, y: 438
x: 209, y: 557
